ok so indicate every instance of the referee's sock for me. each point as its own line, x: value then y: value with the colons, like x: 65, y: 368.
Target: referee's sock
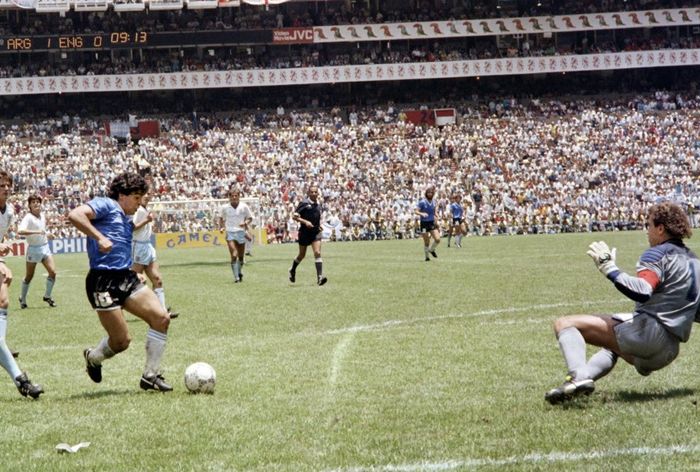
x: 319, y: 267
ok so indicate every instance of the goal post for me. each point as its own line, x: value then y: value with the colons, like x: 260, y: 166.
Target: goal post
x: 201, y: 215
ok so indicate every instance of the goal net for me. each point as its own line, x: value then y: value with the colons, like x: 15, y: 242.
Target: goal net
x: 200, y: 215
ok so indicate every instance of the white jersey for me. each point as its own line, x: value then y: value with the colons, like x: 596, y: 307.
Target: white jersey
x: 33, y: 223
x: 6, y: 219
x: 235, y: 217
x: 144, y: 233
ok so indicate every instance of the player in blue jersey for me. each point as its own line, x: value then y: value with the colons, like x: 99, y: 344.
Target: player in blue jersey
x: 428, y: 226
x: 667, y: 298
x: 457, y: 226
x: 112, y: 285
x: 7, y: 361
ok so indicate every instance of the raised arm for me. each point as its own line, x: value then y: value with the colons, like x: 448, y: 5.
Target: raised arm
x: 639, y: 288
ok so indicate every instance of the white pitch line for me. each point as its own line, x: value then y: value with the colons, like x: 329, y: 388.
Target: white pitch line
x: 499, y: 311
x: 339, y: 353
x: 337, y: 360
x: 534, y: 458
x: 62, y: 347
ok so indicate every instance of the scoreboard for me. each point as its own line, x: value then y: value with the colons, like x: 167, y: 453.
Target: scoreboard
x: 131, y: 39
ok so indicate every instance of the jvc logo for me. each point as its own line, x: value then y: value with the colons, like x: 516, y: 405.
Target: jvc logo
x: 294, y: 35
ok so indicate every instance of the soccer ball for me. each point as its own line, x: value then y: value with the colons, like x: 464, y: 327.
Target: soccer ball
x: 200, y: 377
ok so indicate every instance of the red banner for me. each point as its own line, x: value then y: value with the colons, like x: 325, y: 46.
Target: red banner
x: 420, y: 117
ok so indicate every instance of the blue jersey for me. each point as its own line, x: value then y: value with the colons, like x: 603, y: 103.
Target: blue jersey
x: 427, y: 206
x: 115, y: 225
x: 456, y: 210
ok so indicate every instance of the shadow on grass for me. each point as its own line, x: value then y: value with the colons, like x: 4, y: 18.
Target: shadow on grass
x: 102, y: 394
x: 634, y: 396
x: 626, y: 396
x: 224, y: 262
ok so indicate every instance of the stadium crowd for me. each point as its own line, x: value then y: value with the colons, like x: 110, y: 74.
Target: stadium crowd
x: 537, y: 166
x: 249, y: 17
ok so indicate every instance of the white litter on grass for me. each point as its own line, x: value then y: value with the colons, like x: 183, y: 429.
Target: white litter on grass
x: 63, y: 447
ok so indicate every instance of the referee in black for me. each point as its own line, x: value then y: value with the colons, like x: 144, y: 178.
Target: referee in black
x: 308, y: 215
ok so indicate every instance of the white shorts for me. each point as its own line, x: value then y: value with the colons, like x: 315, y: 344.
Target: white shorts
x: 645, y: 338
x: 143, y: 253
x: 237, y: 236
x: 36, y: 254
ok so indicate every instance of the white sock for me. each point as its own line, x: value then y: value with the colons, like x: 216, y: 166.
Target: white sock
x: 6, y: 360
x: 155, y: 347
x: 573, y: 348
x: 160, y: 293
x: 101, y: 352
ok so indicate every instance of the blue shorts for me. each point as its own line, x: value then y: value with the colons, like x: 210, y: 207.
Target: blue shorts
x: 36, y: 254
x: 143, y: 253
x: 237, y: 236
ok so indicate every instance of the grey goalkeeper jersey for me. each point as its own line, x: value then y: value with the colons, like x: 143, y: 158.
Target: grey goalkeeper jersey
x: 674, y: 300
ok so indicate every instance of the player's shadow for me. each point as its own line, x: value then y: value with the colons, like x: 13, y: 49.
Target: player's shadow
x: 225, y: 263
x: 194, y: 264
x: 632, y: 396
x: 101, y: 394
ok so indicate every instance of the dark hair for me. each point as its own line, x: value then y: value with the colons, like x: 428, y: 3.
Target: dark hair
x: 673, y: 218
x: 429, y: 189
x: 126, y: 184
x: 6, y: 175
x: 34, y: 198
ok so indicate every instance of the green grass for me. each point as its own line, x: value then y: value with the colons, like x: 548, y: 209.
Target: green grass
x: 395, y: 362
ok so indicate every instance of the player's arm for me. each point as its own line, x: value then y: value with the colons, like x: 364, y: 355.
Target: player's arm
x: 297, y: 217
x: 4, y: 247
x: 639, y: 288
x: 141, y: 222
x: 23, y: 229
x: 248, y: 219
x: 81, y: 217
x: 418, y: 212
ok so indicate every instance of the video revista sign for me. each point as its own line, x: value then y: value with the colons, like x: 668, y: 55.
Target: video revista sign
x: 293, y: 36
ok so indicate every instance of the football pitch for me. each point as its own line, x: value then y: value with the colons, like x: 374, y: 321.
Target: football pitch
x: 395, y: 365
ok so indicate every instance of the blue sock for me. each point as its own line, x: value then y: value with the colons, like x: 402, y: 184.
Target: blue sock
x: 49, y: 287
x: 6, y: 360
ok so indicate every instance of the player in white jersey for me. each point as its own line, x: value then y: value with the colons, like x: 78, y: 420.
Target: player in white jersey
x: 667, y: 298
x: 33, y: 227
x: 7, y: 361
x: 143, y: 254
x: 234, y: 220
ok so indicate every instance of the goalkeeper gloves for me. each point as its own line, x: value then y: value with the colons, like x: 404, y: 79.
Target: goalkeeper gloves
x: 603, y: 257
